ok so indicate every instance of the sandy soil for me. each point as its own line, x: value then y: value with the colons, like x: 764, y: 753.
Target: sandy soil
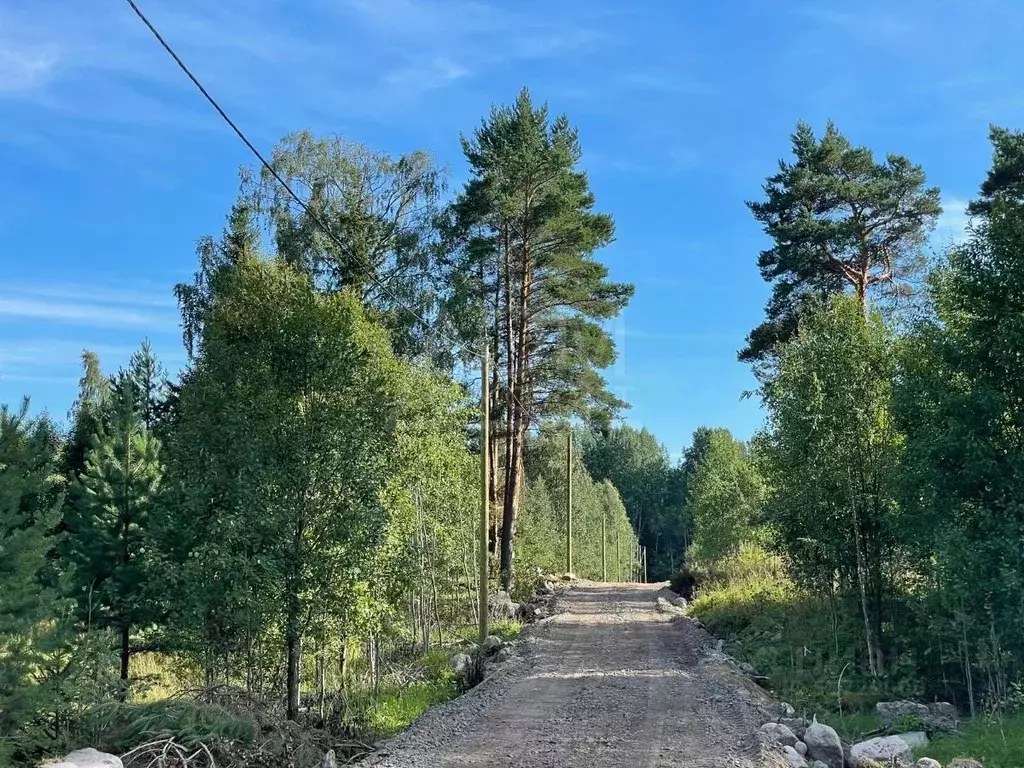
x: 608, y: 681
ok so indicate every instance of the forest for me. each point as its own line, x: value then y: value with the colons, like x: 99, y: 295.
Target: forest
x: 285, y: 531
x: 290, y: 522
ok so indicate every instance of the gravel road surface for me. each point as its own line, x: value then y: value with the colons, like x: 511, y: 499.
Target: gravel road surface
x: 608, y: 681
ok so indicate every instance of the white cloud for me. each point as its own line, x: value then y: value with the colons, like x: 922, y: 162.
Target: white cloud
x: 80, y: 313
x: 25, y: 68
x: 953, y: 224
x: 94, y: 306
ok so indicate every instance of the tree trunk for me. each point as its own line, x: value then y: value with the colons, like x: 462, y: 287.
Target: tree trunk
x: 293, y: 649
x: 125, y: 649
x: 869, y: 624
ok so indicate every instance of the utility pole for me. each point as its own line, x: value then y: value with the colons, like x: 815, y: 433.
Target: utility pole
x: 604, y: 545
x: 645, y: 564
x: 485, y: 425
x: 618, y: 559
x: 568, y: 501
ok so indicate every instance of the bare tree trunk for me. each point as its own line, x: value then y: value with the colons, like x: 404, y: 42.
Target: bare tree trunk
x: 293, y: 647
x: 321, y: 680
x: 862, y: 588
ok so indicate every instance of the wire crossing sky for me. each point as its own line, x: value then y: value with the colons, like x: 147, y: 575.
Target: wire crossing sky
x: 114, y: 167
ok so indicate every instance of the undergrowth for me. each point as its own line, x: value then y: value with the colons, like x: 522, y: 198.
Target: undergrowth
x: 806, y: 647
x: 998, y: 742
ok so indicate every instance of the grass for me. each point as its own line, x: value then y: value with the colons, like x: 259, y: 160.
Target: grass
x: 998, y: 742
x: 506, y: 629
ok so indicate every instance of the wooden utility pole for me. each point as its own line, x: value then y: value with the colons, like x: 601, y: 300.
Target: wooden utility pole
x: 485, y: 476
x: 604, y: 545
x: 618, y: 558
x: 568, y: 501
x: 645, y: 564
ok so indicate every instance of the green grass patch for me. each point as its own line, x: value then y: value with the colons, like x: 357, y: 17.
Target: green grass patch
x: 506, y: 629
x: 998, y: 742
x: 396, y: 709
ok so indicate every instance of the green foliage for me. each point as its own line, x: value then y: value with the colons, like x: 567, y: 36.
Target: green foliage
x: 837, y: 219
x: 1005, y: 179
x: 117, y: 727
x: 998, y: 742
x: 829, y: 452
x: 543, y: 530
x: 724, y: 494
x: 651, y: 489
x: 380, y: 211
x: 30, y: 491
x: 526, y: 276
x: 111, y: 503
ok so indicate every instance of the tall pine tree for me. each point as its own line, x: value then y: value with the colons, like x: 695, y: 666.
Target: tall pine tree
x: 111, y: 502
x: 527, y: 272
x: 839, y: 220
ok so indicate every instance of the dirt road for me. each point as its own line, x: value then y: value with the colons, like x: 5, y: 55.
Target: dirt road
x: 608, y: 681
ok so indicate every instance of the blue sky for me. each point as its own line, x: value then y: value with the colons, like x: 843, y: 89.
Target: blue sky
x: 113, y: 166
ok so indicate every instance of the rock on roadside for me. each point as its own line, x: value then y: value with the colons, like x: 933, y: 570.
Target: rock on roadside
x: 940, y: 716
x: 461, y: 663
x: 87, y: 758
x: 882, y: 749
x: 927, y: 762
x: 794, y: 759
x: 823, y: 744
x: 780, y: 733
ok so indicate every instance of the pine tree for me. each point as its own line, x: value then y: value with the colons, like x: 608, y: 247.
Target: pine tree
x: 838, y: 221
x: 30, y: 491
x: 527, y: 272
x: 111, y: 503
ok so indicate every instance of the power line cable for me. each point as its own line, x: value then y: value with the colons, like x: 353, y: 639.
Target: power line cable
x: 306, y: 209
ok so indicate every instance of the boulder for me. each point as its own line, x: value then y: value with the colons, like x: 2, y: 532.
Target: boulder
x: 664, y: 606
x: 914, y: 739
x: 786, y: 710
x: 461, y: 663
x: 679, y: 602
x: 87, y: 758
x: 748, y: 669
x: 545, y: 588
x: 570, y: 576
x: 883, y: 749
x: 526, y: 612
x: 818, y: 764
x: 503, y: 655
x: 502, y: 607
x: 965, y: 762
x: 781, y: 734
x: 330, y: 760
x: 492, y: 643
x: 797, y: 725
x: 800, y: 747
x: 940, y: 716
x: 794, y: 759
x: 823, y: 744
x: 927, y: 762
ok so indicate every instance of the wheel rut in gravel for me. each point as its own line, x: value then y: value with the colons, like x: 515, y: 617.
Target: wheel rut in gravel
x: 608, y: 681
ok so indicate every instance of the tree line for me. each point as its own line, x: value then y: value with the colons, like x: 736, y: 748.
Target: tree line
x: 888, y: 473
x: 299, y: 505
